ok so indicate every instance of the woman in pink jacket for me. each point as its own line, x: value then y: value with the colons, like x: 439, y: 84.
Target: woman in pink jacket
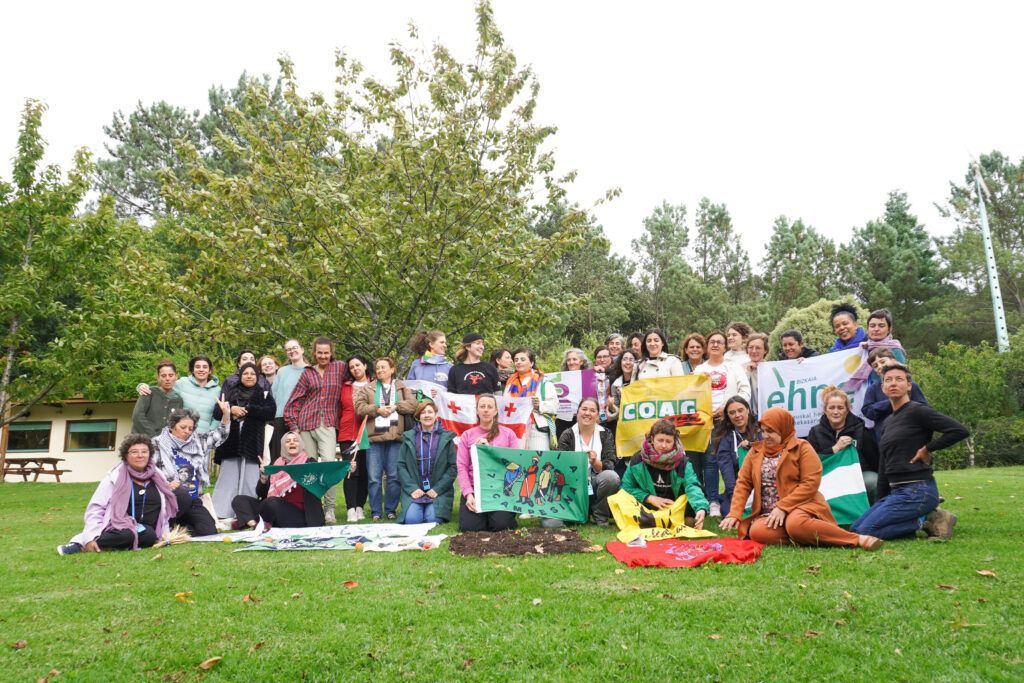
x: 488, y: 432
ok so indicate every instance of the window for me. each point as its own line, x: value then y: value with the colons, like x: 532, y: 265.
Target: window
x: 28, y: 437
x: 91, y: 435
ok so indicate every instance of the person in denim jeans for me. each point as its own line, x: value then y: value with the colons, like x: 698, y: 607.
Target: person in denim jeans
x: 738, y: 430
x: 907, y: 495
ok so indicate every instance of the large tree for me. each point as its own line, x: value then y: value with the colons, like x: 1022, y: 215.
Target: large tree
x: 70, y: 302
x: 800, y: 266
x: 390, y: 206
x: 660, y: 254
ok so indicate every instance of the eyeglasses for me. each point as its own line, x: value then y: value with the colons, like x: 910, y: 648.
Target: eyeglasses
x: 715, y: 342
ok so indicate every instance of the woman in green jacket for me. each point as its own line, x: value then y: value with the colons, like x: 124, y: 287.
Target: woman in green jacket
x: 660, y: 473
x: 426, y: 469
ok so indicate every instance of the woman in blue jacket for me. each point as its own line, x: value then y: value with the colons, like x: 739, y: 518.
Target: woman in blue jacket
x: 738, y: 430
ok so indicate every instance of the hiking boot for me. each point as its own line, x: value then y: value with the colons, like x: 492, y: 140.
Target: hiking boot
x: 716, y: 510
x: 939, y: 524
x: 69, y: 549
x: 329, y: 517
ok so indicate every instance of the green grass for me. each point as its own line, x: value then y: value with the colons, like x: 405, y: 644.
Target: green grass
x: 434, y: 616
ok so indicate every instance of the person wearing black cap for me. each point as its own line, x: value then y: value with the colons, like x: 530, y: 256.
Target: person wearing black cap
x: 471, y: 374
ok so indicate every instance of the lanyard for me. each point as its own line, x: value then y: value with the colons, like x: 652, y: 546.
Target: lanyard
x: 145, y: 492
x: 588, y: 446
x: 422, y: 463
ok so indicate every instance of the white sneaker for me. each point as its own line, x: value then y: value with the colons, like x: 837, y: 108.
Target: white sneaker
x: 329, y: 518
x: 351, y: 516
x: 225, y: 524
x: 360, y: 514
x: 716, y: 510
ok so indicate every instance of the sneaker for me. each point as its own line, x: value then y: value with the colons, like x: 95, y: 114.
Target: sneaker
x: 716, y: 510
x: 360, y: 514
x: 225, y: 524
x: 392, y: 515
x: 329, y: 517
x: 869, y: 543
x: 351, y: 515
x: 551, y: 523
x: 939, y: 524
x: 69, y: 549
x: 376, y: 518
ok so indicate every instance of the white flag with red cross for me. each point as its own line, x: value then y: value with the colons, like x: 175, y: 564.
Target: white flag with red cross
x: 457, y: 412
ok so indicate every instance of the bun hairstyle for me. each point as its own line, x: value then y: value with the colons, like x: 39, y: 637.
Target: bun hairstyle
x: 422, y: 340
x: 841, y: 309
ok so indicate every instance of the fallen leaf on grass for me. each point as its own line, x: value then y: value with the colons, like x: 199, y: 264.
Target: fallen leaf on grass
x: 257, y: 646
x: 467, y: 663
x: 559, y: 537
x: 537, y: 601
x: 595, y: 548
x: 420, y: 602
x: 249, y: 597
x: 958, y: 497
x: 840, y: 622
x: 124, y: 634
x: 539, y: 548
x: 183, y: 597
x: 802, y: 585
x: 812, y: 634
x: 210, y: 663
x: 813, y: 569
x: 620, y: 571
x: 158, y: 556
x: 715, y: 636
x: 350, y: 584
x: 847, y: 595
x: 53, y: 673
x: 296, y: 596
x: 195, y: 574
x: 985, y: 572
x: 982, y: 599
x: 19, y: 644
x: 945, y: 587
x: 899, y: 651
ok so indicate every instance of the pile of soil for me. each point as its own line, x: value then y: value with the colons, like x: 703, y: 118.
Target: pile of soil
x: 519, y: 542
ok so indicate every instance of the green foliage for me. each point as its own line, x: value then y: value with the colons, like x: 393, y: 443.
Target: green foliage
x: 386, y: 208
x: 660, y: 253
x: 997, y: 442
x: 814, y: 323
x: 70, y: 300
x: 800, y: 266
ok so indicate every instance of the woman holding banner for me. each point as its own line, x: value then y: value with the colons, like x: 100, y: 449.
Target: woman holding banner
x: 427, y: 469
x: 840, y: 428
x: 586, y: 436
x: 487, y: 431
x: 279, y: 501
x: 656, y: 361
x: 527, y: 382
x: 350, y: 425
x: 784, y: 474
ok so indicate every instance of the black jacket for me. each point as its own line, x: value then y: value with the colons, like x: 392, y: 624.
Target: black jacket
x: 907, y: 430
x: 312, y: 507
x: 807, y: 352
x: 822, y: 437
x: 567, y: 442
x: 247, y: 441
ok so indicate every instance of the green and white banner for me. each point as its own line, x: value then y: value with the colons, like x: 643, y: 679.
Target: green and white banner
x: 541, y: 483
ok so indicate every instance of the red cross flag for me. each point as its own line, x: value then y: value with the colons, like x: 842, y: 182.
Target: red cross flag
x: 457, y: 412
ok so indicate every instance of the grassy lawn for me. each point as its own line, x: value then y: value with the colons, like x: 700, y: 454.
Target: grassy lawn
x: 915, y: 611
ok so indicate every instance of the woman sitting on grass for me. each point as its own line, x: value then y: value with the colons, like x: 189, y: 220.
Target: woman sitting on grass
x: 839, y: 428
x: 784, y: 473
x: 486, y: 432
x: 279, y: 501
x: 660, y: 473
x: 131, y: 506
x: 426, y: 469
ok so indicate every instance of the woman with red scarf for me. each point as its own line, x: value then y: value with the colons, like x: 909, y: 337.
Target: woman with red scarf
x: 279, y: 500
x: 784, y: 473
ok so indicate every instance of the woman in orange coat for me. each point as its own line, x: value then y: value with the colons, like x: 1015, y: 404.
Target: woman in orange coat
x: 784, y: 473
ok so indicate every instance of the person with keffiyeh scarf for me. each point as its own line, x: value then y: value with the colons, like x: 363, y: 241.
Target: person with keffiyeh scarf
x: 279, y: 500
x: 132, y: 505
x: 427, y: 469
x: 527, y: 382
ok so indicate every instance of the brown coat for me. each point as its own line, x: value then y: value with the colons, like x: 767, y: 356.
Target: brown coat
x: 365, y: 403
x: 798, y: 477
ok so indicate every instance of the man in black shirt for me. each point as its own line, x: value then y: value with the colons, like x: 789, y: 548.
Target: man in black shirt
x: 907, y: 493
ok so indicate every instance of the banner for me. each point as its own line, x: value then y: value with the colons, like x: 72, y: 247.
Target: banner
x: 842, y: 485
x: 676, y: 553
x: 315, y: 477
x: 796, y: 385
x: 636, y: 520
x: 457, y: 412
x: 686, y: 400
x: 573, y: 386
x: 541, y: 483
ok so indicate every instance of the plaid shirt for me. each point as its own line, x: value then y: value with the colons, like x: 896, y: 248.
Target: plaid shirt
x: 316, y: 400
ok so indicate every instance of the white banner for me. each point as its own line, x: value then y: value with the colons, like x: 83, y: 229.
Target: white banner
x: 796, y: 385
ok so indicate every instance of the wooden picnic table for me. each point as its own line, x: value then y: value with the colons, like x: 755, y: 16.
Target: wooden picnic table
x: 34, y: 466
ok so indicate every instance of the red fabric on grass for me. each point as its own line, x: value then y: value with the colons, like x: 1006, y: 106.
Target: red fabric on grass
x: 683, y: 553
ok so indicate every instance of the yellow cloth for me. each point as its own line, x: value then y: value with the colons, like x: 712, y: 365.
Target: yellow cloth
x: 645, y: 401
x: 659, y: 524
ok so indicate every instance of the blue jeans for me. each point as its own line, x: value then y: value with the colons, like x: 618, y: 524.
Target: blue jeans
x: 711, y: 476
x: 728, y: 463
x: 418, y: 514
x: 899, y: 514
x: 383, y: 460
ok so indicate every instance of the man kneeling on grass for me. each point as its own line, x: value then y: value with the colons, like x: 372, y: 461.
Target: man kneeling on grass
x: 908, y: 498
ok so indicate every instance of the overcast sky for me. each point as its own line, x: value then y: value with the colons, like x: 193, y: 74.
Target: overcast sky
x: 813, y: 110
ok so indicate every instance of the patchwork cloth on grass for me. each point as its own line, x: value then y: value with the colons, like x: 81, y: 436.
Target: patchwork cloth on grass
x: 635, y: 520
x: 684, y: 553
x: 364, y: 537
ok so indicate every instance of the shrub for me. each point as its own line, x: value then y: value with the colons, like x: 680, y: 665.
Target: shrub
x: 814, y: 324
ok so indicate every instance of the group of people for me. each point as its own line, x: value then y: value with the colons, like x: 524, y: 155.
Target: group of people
x: 269, y: 413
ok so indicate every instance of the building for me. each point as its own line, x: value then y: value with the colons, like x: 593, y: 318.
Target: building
x: 84, y: 433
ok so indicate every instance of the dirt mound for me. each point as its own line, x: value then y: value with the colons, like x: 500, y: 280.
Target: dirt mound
x: 519, y: 542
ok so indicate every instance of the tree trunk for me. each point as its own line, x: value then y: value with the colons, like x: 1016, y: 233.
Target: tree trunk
x: 969, y: 444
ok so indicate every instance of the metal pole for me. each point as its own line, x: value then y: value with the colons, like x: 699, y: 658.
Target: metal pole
x: 1002, y: 336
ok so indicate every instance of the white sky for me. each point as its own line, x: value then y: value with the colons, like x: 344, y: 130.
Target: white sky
x: 812, y: 110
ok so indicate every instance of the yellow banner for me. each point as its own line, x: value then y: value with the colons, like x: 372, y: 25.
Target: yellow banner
x: 634, y: 519
x: 686, y: 400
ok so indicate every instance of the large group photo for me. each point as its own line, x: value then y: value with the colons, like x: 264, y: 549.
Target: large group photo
x: 349, y: 380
